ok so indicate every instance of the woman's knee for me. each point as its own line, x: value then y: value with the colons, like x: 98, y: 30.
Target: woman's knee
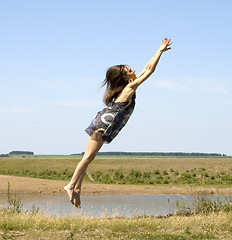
x: 93, y: 146
x: 88, y: 157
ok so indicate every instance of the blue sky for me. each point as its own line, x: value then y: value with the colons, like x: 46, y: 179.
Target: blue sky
x: 54, y: 55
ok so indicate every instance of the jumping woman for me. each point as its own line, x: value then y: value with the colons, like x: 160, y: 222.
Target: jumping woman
x: 121, y: 84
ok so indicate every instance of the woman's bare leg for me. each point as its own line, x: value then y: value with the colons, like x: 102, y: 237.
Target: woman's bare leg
x: 73, y: 189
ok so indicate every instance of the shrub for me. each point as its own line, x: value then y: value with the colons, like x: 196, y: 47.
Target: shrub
x: 97, y: 176
x: 118, y: 176
x: 204, y: 205
x: 136, y: 173
x: 157, y: 172
x: 165, y: 172
x: 106, y: 179
x: 186, y: 175
x: 147, y: 175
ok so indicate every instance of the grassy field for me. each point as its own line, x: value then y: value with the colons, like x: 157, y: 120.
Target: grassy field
x: 207, y: 171
x: 36, y: 226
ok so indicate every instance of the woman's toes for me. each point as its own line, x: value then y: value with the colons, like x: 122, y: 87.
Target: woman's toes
x: 74, y: 197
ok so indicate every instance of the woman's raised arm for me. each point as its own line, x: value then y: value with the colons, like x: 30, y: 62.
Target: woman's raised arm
x: 151, y: 65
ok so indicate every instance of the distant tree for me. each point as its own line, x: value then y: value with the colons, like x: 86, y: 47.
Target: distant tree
x: 4, y: 155
x: 21, y: 153
x: 159, y: 154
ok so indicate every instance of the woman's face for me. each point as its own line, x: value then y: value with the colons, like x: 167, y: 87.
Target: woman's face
x: 130, y: 74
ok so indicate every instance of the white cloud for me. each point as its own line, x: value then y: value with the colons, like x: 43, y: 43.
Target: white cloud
x: 19, y: 109
x: 195, y: 84
x: 220, y: 90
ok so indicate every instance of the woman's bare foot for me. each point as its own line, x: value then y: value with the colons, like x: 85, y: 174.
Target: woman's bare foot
x: 73, y: 196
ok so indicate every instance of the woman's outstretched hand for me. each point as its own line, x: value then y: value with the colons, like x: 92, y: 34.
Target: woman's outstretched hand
x: 165, y: 45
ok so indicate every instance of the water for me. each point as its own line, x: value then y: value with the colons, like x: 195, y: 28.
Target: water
x: 103, y: 205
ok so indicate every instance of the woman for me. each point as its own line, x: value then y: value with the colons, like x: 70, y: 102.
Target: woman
x: 121, y: 84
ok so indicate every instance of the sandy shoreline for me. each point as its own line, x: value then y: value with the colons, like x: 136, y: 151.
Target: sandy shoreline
x: 43, y: 186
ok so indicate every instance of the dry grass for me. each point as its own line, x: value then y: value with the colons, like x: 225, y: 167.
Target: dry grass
x: 162, y: 163
x: 212, y: 164
x: 212, y: 226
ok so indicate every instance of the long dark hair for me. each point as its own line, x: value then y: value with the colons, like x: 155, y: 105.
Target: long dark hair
x: 115, y: 82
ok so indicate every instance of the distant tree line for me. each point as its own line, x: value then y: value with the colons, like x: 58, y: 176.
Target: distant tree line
x: 159, y: 154
x: 21, y: 153
x: 4, y: 155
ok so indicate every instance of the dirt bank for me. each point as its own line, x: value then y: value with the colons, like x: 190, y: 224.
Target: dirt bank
x: 44, y: 186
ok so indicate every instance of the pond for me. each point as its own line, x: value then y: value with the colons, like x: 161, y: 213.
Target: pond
x: 102, y: 205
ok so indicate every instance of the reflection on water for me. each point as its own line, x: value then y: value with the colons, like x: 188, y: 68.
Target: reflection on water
x: 103, y: 205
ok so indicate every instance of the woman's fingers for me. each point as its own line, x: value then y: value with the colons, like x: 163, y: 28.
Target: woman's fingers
x: 165, y: 44
x: 166, y: 41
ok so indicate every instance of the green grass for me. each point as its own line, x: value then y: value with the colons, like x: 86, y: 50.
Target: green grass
x: 192, y: 176
x: 195, y: 171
